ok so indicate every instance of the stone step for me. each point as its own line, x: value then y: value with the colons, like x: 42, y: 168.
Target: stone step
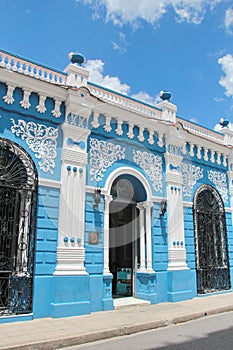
x: 120, y: 303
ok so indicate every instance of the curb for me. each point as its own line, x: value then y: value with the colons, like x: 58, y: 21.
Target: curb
x: 119, y: 331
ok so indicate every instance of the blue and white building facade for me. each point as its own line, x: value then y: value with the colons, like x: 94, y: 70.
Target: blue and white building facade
x: 103, y: 196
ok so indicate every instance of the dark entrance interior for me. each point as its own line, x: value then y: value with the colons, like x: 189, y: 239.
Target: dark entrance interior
x: 124, y: 242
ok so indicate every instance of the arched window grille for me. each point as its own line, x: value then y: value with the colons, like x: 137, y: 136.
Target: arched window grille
x: 212, y: 265
x: 18, y: 204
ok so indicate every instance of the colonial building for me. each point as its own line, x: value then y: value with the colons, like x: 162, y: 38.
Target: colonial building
x: 105, y: 197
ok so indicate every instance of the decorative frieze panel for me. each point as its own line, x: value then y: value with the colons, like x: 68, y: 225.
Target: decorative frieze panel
x: 191, y: 174
x: 103, y: 154
x: 95, y: 122
x: 119, y: 129
x: 219, y: 179
x: 41, y: 140
x: 152, y: 165
x: 107, y: 126
x: 8, y: 98
x: 77, y: 120
x: 25, y: 102
x: 41, y: 106
x: 130, y: 132
x: 174, y: 149
x: 207, y: 153
x: 56, y: 111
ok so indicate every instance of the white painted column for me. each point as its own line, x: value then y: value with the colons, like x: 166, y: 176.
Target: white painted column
x: 140, y: 206
x: 175, y: 215
x: 107, y: 201
x: 148, y: 206
x: 70, y: 250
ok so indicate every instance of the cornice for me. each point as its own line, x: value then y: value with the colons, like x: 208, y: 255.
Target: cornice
x: 32, y: 84
x: 203, y: 142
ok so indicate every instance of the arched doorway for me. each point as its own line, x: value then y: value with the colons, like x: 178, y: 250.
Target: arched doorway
x: 212, y: 265
x: 18, y: 198
x: 124, y: 233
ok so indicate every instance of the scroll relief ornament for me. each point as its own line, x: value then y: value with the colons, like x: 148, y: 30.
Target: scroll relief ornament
x: 103, y: 154
x: 41, y: 140
x: 191, y: 174
x: 152, y: 165
x: 220, y: 181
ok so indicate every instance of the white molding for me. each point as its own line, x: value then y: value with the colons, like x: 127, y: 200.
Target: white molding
x: 70, y: 261
x: 188, y: 204
x: 128, y: 171
x: 177, y: 259
x: 228, y: 209
x: 91, y: 189
x: 74, y: 156
x: 174, y: 178
x: 49, y: 183
x: 207, y: 143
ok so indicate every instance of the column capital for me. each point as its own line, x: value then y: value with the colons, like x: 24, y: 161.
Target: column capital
x: 148, y: 204
x: 108, y: 198
x: 140, y: 206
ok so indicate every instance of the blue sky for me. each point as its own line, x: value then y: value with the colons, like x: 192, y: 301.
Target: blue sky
x: 136, y: 47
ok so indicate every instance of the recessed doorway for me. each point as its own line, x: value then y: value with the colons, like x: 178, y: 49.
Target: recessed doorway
x: 124, y: 240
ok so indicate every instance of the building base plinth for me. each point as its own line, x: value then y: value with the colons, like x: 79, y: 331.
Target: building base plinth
x: 67, y: 290
x: 181, y: 285
x: 107, y: 301
x: 145, y: 286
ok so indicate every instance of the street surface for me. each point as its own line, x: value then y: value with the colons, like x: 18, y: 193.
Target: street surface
x: 209, y: 333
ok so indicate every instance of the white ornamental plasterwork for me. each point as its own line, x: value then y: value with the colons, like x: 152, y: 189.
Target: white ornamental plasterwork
x: 102, y: 155
x: 220, y: 181
x: 152, y: 165
x: 77, y: 120
x: 8, y: 98
x: 41, y: 140
x: 191, y: 174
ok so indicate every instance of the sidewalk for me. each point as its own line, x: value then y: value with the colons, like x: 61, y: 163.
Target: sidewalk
x: 55, y: 333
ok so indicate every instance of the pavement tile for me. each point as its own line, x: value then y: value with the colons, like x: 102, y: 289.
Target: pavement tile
x: 51, y: 333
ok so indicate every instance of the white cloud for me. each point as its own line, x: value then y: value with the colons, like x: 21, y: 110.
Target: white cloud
x: 121, y: 44
x: 145, y: 97
x: 227, y: 80
x: 194, y: 120
x: 96, y: 68
x: 229, y: 21
x: 219, y: 99
x: 121, y: 12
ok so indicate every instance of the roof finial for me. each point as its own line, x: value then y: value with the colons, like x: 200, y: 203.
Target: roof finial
x: 224, y: 123
x: 165, y: 95
x: 76, y: 58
